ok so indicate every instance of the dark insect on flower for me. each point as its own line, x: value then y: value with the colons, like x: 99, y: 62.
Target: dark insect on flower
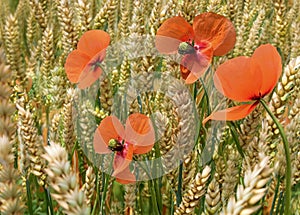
x: 115, y: 145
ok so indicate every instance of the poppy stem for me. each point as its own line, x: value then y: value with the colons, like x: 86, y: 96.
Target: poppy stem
x: 288, y: 174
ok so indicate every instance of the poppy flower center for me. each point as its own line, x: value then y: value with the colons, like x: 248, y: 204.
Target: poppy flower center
x: 186, y: 48
x: 95, y: 63
x: 116, y: 145
x: 257, y: 97
x: 190, y: 47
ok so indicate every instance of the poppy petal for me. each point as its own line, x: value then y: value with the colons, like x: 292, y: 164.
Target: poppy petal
x: 233, y: 113
x: 92, y: 71
x: 196, y: 65
x: 109, y: 128
x: 140, y: 132
x: 171, y: 33
x: 123, y: 159
x: 125, y: 177
x: 75, y: 64
x: 92, y: 42
x: 216, y: 29
x: 236, y: 80
x: 267, y: 61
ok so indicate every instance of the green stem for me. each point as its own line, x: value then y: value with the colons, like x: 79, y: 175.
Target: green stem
x: 29, y: 198
x: 275, y: 196
x: 97, y: 193
x: 206, y: 96
x: 105, y: 186
x: 236, y: 138
x: 153, y: 197
x: 179, y: 194
x: 103, y: 196
x: 288, y: 174
x: 49, y: 201
x: 48, y: 124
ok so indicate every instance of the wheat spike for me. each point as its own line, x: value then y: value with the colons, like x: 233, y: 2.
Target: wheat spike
x: 192, y: 197
x: 63, y: 181
x: 89, y: 185
x: 12, y: 48
x: 85, y: 14
x: 32, y: 142
x: 69, y: 31
x: 253, y: 190
x: 213, y: 198
x: 231, y: 175
x: 130, y: 198
x: 10, y: 191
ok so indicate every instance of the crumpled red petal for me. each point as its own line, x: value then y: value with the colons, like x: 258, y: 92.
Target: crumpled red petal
x: 193, y: 66
x: 125, y: 177
x: 216, y: 29
x: 139, y: 131
x: 92, y: 42
x: 75, y: 64
x: 233, y: 113
x: 237, y: 81
x: 267, y: 61
x: 123, y: 159
x: 171, y: 33
x: 92, y: 71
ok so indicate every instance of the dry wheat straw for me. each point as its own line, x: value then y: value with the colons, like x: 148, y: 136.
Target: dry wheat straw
x: 63, y: 181
x: 10, y: 190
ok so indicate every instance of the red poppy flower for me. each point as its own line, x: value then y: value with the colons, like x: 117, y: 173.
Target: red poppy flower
x: 137, y: 138
x: 83, y: 64
x: 211, y: 35
x: 247, y: 79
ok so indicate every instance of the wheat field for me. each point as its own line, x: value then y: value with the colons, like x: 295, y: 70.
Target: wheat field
x: 47, y: 161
